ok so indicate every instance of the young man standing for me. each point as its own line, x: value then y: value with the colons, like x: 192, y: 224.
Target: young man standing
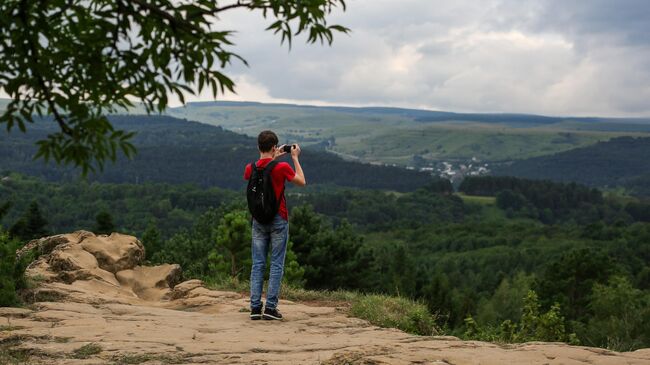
x: 272, y: 235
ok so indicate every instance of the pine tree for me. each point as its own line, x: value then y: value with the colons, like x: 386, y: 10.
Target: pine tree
x: 151, y: 239
x: 103, y: 223
x: 293, y: 273
x: 31, y: 225
x: 7, y: 262
x: 4, y: 208
x: 234, y: 240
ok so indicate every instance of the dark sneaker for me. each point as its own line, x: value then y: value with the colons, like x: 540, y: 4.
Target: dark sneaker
x: 256, y: 313
x: 271, y: 314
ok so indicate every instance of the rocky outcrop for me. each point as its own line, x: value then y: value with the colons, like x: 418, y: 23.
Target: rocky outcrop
x: 151, y: 283
x: 94, y: 290
x: 112, y: 260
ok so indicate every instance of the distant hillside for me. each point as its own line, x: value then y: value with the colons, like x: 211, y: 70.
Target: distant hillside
x: 412, y: 137
x: 171, y: 150
x: 639, y: 185
x: 618, y: 162
x: 423, y: 115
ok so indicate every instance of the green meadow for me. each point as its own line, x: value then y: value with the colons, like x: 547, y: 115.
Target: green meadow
x: 393, y: 137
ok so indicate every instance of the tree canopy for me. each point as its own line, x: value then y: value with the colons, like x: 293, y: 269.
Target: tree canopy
x: 78, y: 60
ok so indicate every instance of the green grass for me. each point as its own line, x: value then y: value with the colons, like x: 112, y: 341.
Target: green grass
x: 288, y: 292
x: 462, y: 142
x: 86, y: 351
x: 380, y: 310
x: 124, y: 359
x: 7, y: 328
x: 481, y: 200
x: 332, y: 296
x: 130, y: 359
x: 9, y: 355
x: 394, y: 312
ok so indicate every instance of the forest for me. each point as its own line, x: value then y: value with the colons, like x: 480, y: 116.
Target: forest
x: 543, y: 261
x: 619, y: 162
x: 177, y: 151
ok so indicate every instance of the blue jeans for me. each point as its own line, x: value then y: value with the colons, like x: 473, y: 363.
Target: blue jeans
x: 274, y: 235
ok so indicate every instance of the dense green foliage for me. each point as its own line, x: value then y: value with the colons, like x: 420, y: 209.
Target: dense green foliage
x: 330, y: 257
x: 176, y: 151
x: 639, y: 185
x: 72, y: 206
x: 216, y: 248
x: 104, y: 223
x: 534, y: 325
x: 553, y: 202
x: 8, y: 295
x: 31, y: 225
x: 78, y: 60
x: 376, y: 209
x: 617, y: 162
x: 12, y: 279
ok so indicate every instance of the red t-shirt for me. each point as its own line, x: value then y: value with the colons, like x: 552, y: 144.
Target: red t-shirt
x: 281, y: 172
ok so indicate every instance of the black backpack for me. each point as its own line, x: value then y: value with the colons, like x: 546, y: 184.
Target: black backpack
x: 262, y: 202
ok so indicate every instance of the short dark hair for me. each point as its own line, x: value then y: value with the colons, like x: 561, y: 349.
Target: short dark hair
x: 266, y: 140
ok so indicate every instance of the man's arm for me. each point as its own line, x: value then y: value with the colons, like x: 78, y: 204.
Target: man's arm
x: 299, y: 178
x: 248, y: 170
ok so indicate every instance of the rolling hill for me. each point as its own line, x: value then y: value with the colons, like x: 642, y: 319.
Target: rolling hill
x: 410, y: 137
x: 171, y: 150
x: 399, y: 136
x: 623, y: 161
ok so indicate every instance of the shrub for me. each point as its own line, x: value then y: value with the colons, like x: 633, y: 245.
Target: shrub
x: 395, y: 312
x: 621, y: 319
x: 534, y: 325
x: 12, y: 272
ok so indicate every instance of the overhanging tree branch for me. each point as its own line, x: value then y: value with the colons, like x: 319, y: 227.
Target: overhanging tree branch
x: 81, y: 58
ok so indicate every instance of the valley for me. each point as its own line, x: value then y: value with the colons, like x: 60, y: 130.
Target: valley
x: 414, y: 138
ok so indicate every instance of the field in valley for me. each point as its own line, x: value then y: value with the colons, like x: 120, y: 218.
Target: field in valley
x: 396, y: 136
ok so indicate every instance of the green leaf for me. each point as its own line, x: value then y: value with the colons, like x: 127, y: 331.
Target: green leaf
x: 80, y: 60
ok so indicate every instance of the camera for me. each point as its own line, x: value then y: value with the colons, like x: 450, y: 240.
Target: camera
x: 287, y: 148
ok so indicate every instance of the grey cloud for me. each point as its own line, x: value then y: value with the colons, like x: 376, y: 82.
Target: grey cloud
x: 538, y: 56
x: 626, y: 21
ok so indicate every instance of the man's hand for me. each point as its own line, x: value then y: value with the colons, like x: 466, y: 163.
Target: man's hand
x: 299, y: 179
x: 295, y: 151
x: 278, y: 152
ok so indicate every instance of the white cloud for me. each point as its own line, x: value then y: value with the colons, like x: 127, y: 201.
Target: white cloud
x: 533, y: 56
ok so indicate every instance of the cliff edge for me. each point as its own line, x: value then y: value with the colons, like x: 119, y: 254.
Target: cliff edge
x: 94, y: 303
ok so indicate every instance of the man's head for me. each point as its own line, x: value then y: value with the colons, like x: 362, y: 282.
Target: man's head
x: 266, y: 141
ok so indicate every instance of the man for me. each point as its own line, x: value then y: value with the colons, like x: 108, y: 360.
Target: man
x: 273, y: 235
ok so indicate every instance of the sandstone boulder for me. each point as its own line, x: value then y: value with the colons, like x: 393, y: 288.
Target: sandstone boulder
x: 46, y: 245
x: 116, y: 252
x: 183, y: 289
x: 108, y: 260
x: 72, y: 262
x: 151, y: 282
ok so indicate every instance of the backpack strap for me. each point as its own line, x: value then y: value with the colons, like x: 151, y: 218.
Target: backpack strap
x: 269, y: 167
x: 267, y: 171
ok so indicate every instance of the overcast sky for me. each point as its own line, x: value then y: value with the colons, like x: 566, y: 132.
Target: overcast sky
x: 558, y: 57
